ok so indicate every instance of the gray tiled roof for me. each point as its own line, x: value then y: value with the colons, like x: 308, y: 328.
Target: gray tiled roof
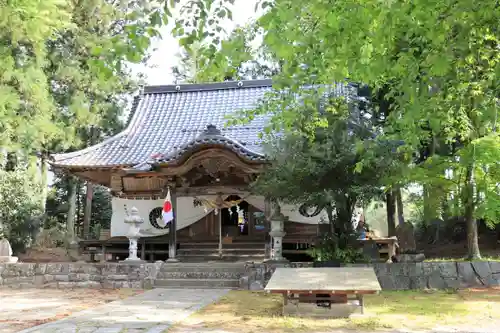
x: 169, y: 120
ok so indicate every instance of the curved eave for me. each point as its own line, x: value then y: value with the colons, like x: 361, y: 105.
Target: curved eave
x: 72, y: 167
x: 212, y: 141
x: 183, y: 154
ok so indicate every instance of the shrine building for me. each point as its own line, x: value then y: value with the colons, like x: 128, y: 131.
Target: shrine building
x: 176, y: 138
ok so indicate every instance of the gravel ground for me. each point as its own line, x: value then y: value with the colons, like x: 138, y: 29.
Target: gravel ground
x: 24, y: 308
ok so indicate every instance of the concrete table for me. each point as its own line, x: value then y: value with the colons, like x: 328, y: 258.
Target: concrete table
x: 324, y: 286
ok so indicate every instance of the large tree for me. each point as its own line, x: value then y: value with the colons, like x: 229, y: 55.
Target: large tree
x: 26, y: 106
x: 323, y: 171
x: 90, y: 101
x: 239, y: 58
x: 438, y: 63
x: 63, y: 79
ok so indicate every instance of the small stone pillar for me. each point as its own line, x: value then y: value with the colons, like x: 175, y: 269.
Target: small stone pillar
x: 6, y: 252
x: 134, y: 221
x: 277, y: 233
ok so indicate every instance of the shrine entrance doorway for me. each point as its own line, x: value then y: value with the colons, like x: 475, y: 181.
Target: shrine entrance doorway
x: 242, y: 221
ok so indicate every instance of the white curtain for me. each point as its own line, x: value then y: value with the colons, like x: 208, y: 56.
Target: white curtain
x: 291, y: 211
x: 185, y: 212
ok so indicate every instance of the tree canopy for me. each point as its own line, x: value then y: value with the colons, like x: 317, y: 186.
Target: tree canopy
x: 433, y: 71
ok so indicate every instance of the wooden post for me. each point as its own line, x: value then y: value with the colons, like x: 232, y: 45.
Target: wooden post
x: 88, y: 201
x: 70, y: 218
x: 267, y: 219
x: 361, y: 303
x: 88, y: 210
x: 104, y: 254
x: 220, y: 232
x: 143, y: 249
x: 391, y: 212
x: 172, y: 244
x: 152, y: 256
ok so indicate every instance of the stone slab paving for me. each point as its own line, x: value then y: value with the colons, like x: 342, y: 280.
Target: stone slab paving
x: 152, y: 312
x: 24, y: 308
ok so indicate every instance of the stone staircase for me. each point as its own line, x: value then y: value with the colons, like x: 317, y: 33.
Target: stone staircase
x: 238, y: 251
x: 200, y: 275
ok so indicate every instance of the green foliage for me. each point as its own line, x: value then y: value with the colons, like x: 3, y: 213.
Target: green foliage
x: 26, y: 107
x: 57, y: 206
x: 338, y: 247
x: 200, y: 20
x: 433, y: 69
x: 101, y: 207
x: 236, y: 59
x: 323, y: 171
x: 20, y: 213
x: 62, y: 67
x: 51, y: 237
x: 88, y: 94
x: 63, y: 85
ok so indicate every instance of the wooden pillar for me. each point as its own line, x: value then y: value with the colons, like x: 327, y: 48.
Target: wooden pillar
x: 104, y: 254
x: 219, y: 215
x: 267, y: 218
x: 172, y: 244
x: 391, y: 212
x: 143, y: 249
x: 70, y: 218
x: 88, y: 210
x: 87, y: 213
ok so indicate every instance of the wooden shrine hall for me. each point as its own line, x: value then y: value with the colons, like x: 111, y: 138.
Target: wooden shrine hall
x: 176, y: 138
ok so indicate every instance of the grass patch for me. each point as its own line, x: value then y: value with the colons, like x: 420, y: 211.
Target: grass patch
x: 246, y: 312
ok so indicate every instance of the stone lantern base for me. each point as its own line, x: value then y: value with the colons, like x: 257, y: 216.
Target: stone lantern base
x: 132, y: 261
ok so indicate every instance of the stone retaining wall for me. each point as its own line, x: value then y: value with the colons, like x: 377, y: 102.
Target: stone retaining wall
x: 403, y: 276
x: 398, y: 276
x: 74, y: 275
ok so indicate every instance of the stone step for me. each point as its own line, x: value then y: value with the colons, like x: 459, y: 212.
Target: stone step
x: 198, y: 283
x: 194, y: 287
x: 231, y: 252
x: 226, y: 258
x: 213, y: 267
x: 203, y: 275
x: 235, y: 245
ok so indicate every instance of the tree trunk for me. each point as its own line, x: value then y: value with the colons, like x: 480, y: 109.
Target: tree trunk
x: 331, y: 220
x: 390, y: 201
x: 87, y: 214
x: 78, y: 210
x: 12, y: 162
x: 44, y: 181
x: 399, y: 202
x: 343, y: 215
x: 431, y: 200
x: 70, y: 219
x: 88, y: 210
x: 446, y: 207
x: 468, y: 197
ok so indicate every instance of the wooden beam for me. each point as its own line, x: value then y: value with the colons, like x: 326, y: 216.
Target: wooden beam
x: 207, y: 190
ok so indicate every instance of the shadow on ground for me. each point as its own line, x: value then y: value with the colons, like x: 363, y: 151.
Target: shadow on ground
x: 244, y: 312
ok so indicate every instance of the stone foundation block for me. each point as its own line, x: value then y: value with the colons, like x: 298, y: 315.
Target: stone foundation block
x: 295, y: 309
x: 61, y: 277
x: 117, y: 277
